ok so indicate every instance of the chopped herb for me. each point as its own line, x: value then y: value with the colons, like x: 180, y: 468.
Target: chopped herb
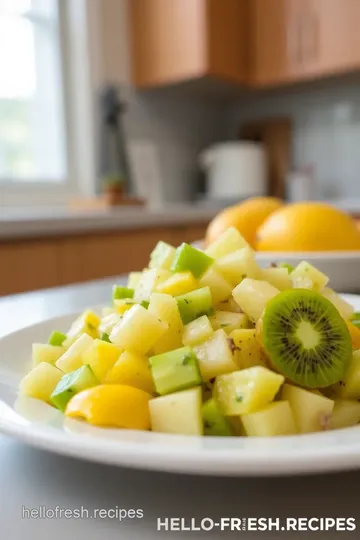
x: 105, y: 337
x: 224, y: 325
x: 187, y: 359
x: 239, y: 398
x: 144, y: 304
x: 91, y: 326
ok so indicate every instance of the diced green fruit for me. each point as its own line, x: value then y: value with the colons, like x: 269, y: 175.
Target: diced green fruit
x: 229, y: 321
x: 345, y: 309
x: 197, y: 331
x: 239, y: 265
x: 178, y: 284
x: 178, y: 413
x: 194, y: 304
x: 40, y: 382
x: 215, y: 423
x: 133, y: 279
x: 175, y: 370
x: 162, y: 256
x: 215, y: 356
x: 72, y: 383
x: 138, y: 330
x: 311, y: 411
x: 164, y: 307
x: 278, y: 277
x: 247, y: 390
x: 252, y: 296
x: 247, y: 350
x: 57, y: 338
x: 148, y: 283
x: 108, y: 322
x: 119, y: 292
x: 72, y: 358
x: 43, y: 352
x: 101, y: 357
x: 346, y: 413
x: 306, y: 276
x: 349, y: 387
x: 87, y: 323
x: 188, y: 258
x: 273, y: 420
x: 105, y: 337
x: 220, y: 288
x: 286, y: 265
x: 228, y: 241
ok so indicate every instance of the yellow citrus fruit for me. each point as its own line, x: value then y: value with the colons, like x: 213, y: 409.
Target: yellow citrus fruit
x: 112, y: 405
x: 246, y: 217
x: 308, y: 226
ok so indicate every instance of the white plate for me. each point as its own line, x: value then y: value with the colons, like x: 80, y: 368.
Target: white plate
x: 40, y: 425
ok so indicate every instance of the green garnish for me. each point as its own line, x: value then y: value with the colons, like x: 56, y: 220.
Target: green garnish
x: 120, y: 292
x: 105, y: 337
x: 57, y: 338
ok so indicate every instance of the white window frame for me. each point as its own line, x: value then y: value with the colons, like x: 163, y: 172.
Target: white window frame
x: 80, y: 40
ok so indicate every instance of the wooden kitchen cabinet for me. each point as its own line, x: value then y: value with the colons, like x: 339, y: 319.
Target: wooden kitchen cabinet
x: 174, y: 41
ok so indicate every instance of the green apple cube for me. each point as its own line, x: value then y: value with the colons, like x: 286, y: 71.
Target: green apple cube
x: 72, y: 383
x: 215, y: 423
x: 162, y: 256
x: 195, y: 304
x: 178, y: 413
x: 188, y: 258
x: 120, y: 292
x: 175, y: 370
x: 57, y: 338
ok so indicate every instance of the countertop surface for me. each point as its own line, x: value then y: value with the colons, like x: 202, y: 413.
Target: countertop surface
x: 35, y: 222
x: 42, y: 480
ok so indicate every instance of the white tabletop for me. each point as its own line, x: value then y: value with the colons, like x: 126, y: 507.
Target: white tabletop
x: 31, y: 479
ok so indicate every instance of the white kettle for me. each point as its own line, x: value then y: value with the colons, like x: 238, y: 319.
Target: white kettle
x: 235, y: 170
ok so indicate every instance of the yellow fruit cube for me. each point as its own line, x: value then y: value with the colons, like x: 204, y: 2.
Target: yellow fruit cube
x: 108, y: 322
x: 278, y: 277
x: 150, y: 279
x: 311, y: 411
x: 164, y: 307
x: 248, y: 352
x: 239, y: 265
x: 228, y: 241
x: 253, y: 295
x: 72, y: 358
x: 87, y: 323
x: 229, y: 321
x: 123, y: 304
x: 197, y: 331
x: 219, y: 287
x: 131, y: 369
x: 346, y: 413
x: 133, y: 279
x: 43, y: 352
x: 349, y: 387
x: 273, y: 420
x: 178, y: 284
x: 101, y: 357
x: 306, y: 276
x: 215, y: 356
x: 247, y: 390
x: 40, y: 382
x: 179, y: 413
x: 138, y: 330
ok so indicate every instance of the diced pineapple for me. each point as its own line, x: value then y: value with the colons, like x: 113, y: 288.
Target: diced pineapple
x: 238, y: 265
x: 278, y: 277
x: 87, y: 323
x: 229, y: 241
x: 275, y: 419
x: 131, y: 369
x: 215, y: 356
x: 123, y: 305
x: 42, y: 352
x: 138, y: 330
x: 150, y: 279
x: 345, y: 309
x: 219, y: 287
x: 248, y: 352
x: 229, y: 321
x: 197, y: 331
x: 108, y: 322
x: 229, y: 305
x: 164, y: 307
x: 311, y: 411
x: 252, y: 296
x: 306, y: 276
x: 72, y: 358
x: 178, y: 284
x: 133, y: 279
x: 178, y: 413
x: 162, y: 256
x: 101, y: 357
x: 40, y: 382
x: 346, y: 413
x: 349, y: 387
x: 247, y: 390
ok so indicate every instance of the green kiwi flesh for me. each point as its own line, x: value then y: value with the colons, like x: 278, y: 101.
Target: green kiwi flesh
x: 306, y: 338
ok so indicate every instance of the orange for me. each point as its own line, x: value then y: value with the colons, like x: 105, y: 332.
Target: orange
x: 246, y: 217
x: 308, y: 226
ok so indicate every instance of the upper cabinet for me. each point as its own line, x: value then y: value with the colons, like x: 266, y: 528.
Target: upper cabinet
x: 294, y: 40
x: 173, y: 41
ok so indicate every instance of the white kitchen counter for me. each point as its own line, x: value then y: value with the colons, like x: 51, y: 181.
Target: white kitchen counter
x: 31, y: 222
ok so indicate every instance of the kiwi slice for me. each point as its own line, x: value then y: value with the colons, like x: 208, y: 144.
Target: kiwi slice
x: 305, y: 338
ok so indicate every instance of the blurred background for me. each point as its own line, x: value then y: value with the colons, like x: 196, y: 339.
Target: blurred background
x: 123, y: 122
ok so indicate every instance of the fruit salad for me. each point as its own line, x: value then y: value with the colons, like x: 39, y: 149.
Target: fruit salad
x: 207, y: 343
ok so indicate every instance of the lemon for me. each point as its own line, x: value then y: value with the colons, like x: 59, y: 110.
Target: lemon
x: 246, y: 217
x: 113, y: 405
x: 308, y: 226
